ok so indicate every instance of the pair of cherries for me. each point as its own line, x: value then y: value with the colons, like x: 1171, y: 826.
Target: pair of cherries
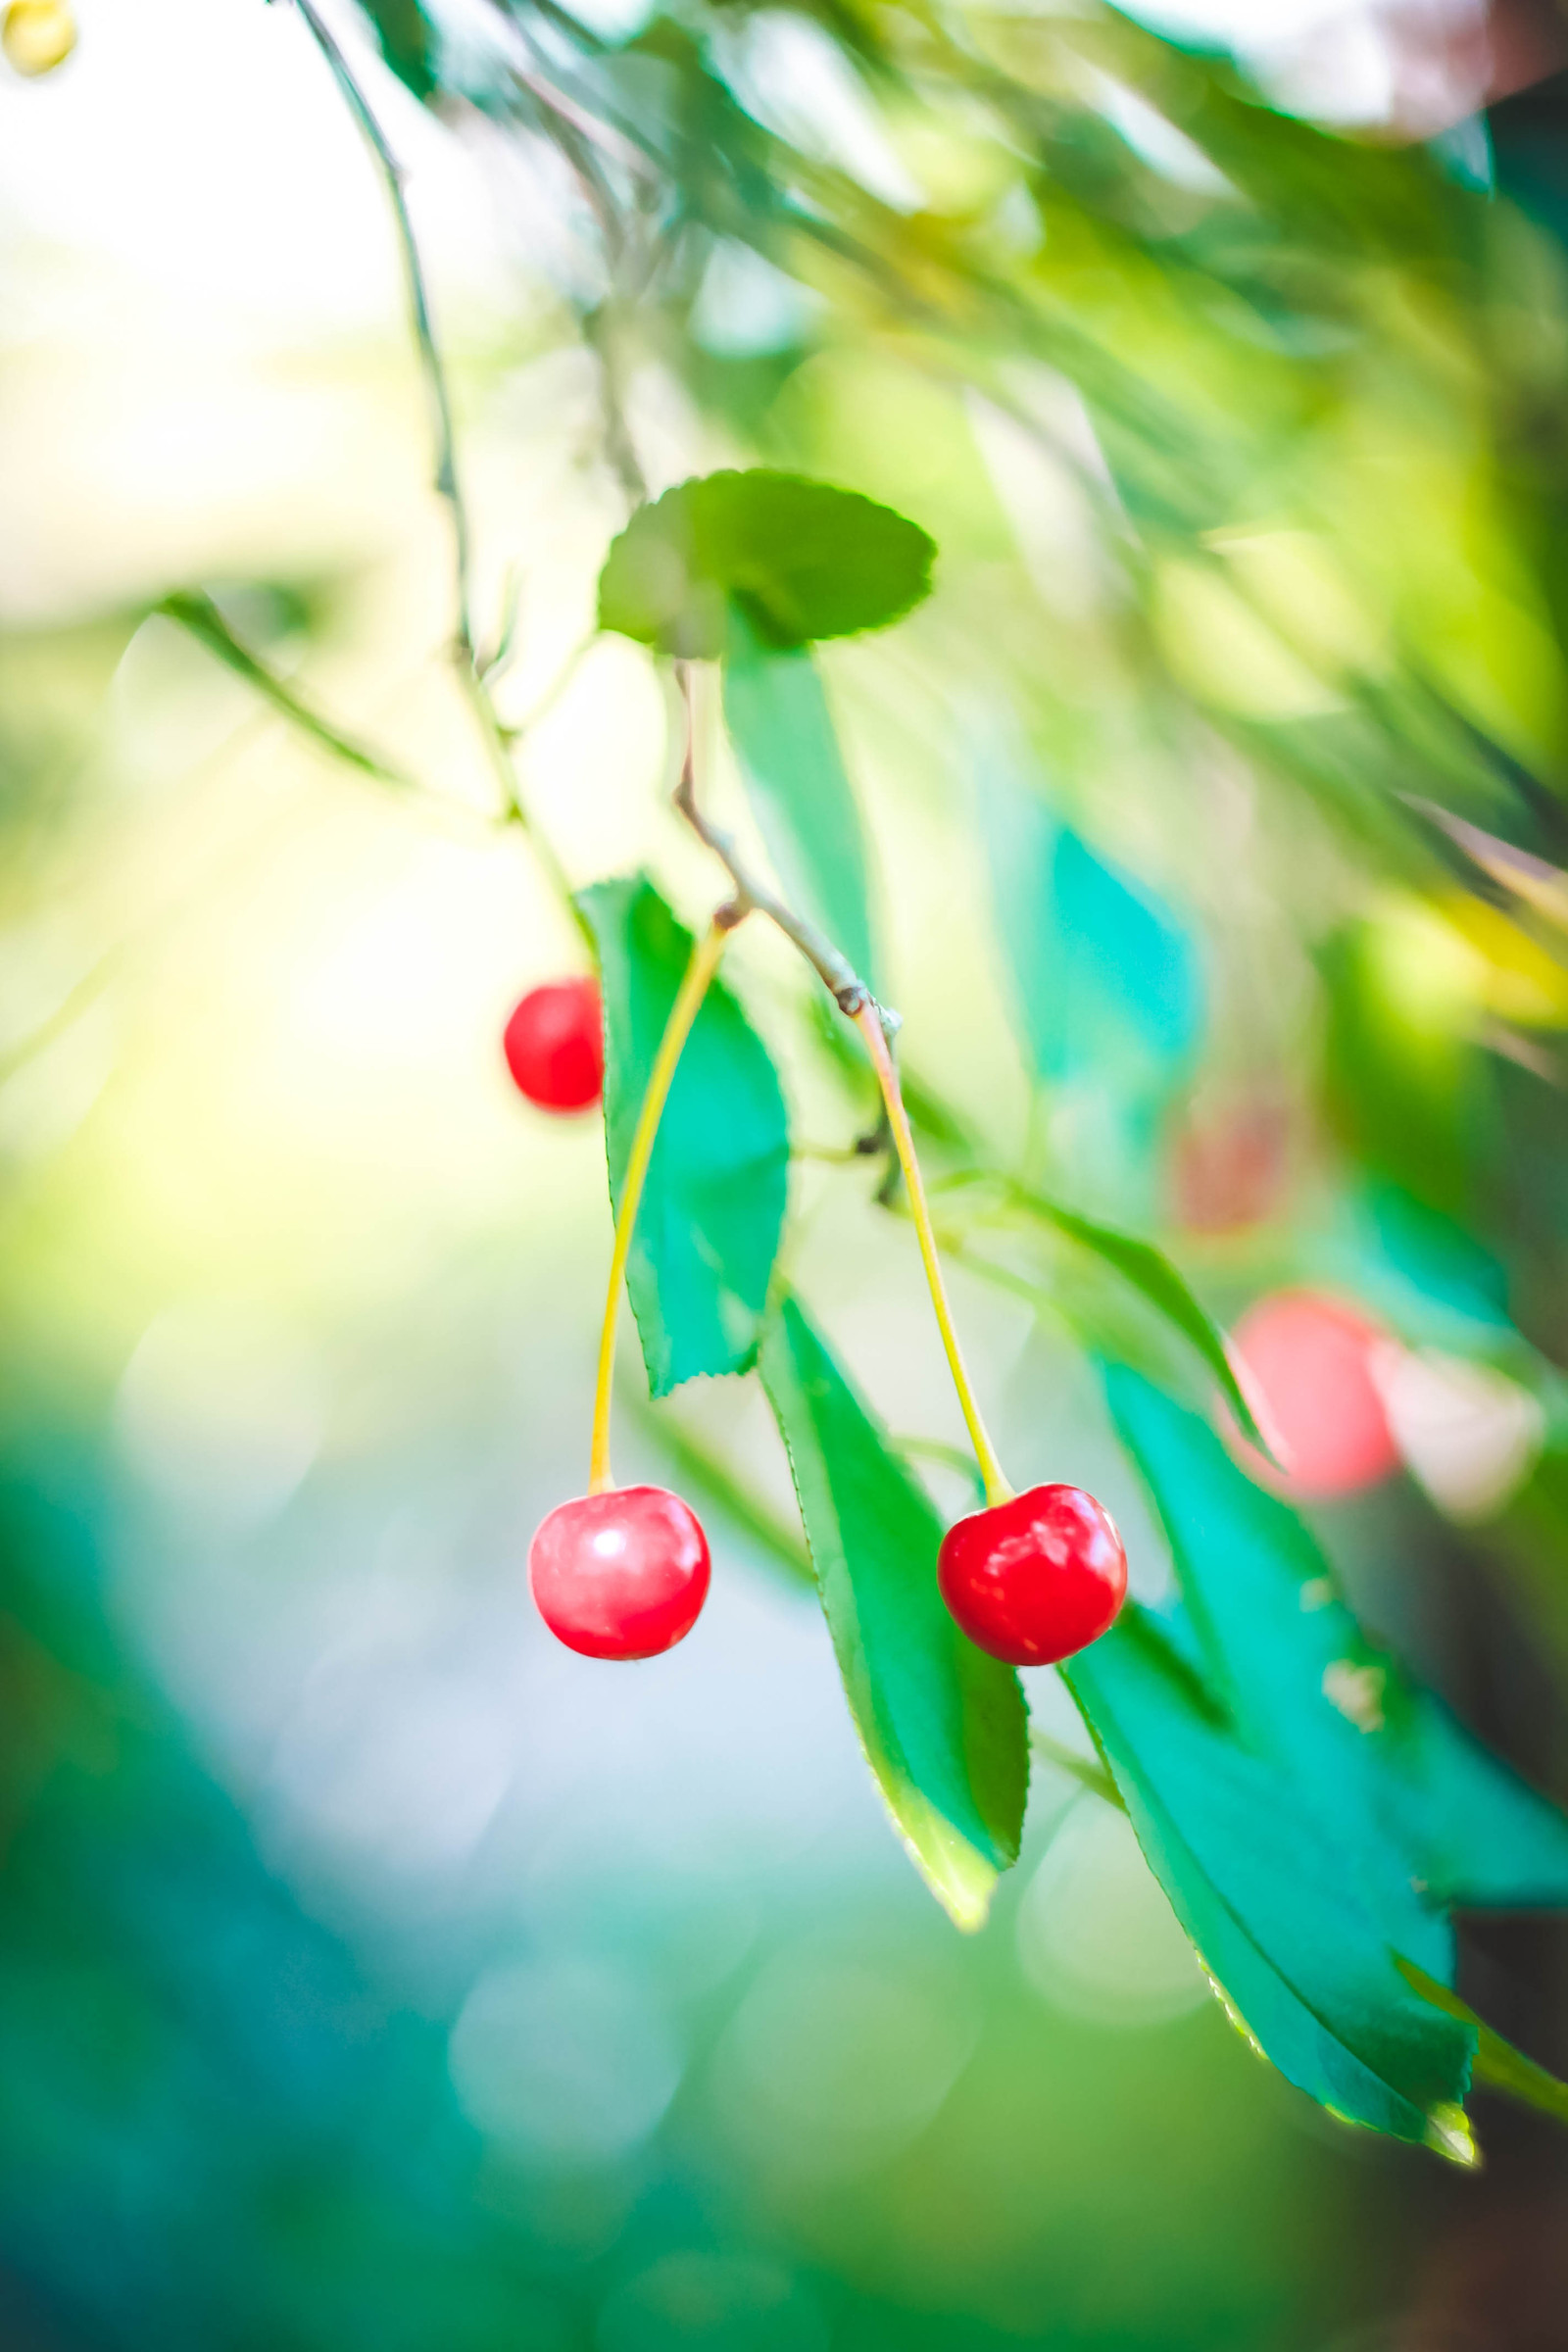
x: 624, y: 1573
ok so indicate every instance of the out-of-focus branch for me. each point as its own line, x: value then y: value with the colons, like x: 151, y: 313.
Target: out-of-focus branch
x: 470, y: 671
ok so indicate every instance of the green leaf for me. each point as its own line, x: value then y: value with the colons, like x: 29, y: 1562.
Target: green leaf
x: 1305, y: 1681
x: 795, y: 778
x: 807, y: 561
x: 1267, y: 1884
x: 1497, y: 2063
x: 1308, y: 1809
x: 712, y: 1207
x: 1150, y: 1272
x: 943, y: 1726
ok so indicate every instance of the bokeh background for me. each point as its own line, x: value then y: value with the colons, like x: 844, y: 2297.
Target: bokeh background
x: 372, y: 1972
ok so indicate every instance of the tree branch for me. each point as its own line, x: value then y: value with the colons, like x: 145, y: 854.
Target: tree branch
x: 447, y: 485
x: 834, y: 968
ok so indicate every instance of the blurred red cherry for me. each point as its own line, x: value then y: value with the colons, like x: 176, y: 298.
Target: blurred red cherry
x: 1037, y: 1578
x: 555, y: 1045
x: 1305, y: 1363
x: 623, y: 1574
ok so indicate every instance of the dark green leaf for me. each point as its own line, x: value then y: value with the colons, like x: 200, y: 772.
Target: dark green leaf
x: 712, y: 1208
x: 1270, y: 1888
x: 1306, y: 1684
x: 799, y: 793
x: 407, y: 42
x: 943, y: 1726
x: 806, y: 560
x: 1307, y: 1808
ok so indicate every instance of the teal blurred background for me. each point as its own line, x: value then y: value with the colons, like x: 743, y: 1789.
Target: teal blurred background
x: 372, y: 1972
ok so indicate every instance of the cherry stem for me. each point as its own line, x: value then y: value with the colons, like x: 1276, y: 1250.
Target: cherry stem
x: 868, y: 1020
x: 705, y: 962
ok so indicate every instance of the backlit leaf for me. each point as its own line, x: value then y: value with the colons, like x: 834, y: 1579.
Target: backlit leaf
x: 1266, y: 1885
x: 1309, y: 1810
x: 805, y: 559
x: 1304, y: 1679
x: 712, y: 1208
x: 943, y: 1726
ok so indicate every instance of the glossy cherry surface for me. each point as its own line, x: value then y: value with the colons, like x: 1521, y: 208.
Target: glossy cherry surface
x: 1306, y: 1360
x: 555, y: 1045
x: 623, y: 1574
x: 1035, y: 1579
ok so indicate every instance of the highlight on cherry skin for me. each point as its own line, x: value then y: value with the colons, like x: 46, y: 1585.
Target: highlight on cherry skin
x: 555, y: 1045
x: 621, y: 1574
x: 1037, y: 1578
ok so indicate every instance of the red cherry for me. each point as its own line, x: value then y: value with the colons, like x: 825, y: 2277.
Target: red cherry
x: 1305, y: 1363
x: 555, y: 1045
x: 623, y: 1574
x: 1035, y: 1579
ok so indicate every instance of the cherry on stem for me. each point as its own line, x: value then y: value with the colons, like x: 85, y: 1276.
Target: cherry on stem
x: 622, y: 1572
x: 1033, y: 1577
x: 1037, y: 1578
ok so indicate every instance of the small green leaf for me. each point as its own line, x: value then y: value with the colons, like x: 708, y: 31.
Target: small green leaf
x: 1267, y: 1884
x: 795, y: 778
x: 806, y: 560
x: 943, y: 1726
x: 1150, y: 1272
x: 712, y: 1207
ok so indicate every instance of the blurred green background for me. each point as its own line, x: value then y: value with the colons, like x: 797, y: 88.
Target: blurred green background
x: 372, y: 1972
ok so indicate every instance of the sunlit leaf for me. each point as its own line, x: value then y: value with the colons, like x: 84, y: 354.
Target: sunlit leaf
x: 1306, y: 1682
x: 712, y: 1208
x: 1309, y: 1810
x: 794, y: 773
x: 805, y: 559
x: 1270, y: 1888
x: 943, y: 1726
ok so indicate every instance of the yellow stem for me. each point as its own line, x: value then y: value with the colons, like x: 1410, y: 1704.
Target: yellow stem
x: 700, y: 971
x: 869, y: 1021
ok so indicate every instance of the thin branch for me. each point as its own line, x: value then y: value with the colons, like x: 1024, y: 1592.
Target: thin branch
x: 834, y: 968
x: 435, y: 374
x: 493, y: 733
